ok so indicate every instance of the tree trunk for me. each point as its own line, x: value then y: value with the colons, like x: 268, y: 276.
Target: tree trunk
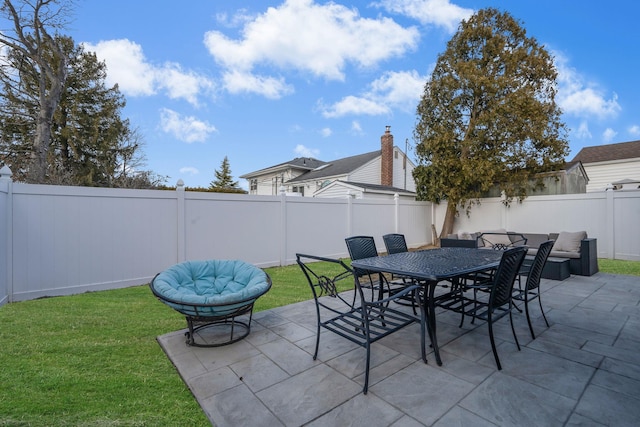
x: 449, y: 218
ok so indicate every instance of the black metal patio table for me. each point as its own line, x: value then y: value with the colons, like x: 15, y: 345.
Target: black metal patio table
x: 430, y: 267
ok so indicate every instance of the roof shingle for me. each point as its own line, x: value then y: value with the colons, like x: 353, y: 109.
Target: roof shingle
x: 609, y: 152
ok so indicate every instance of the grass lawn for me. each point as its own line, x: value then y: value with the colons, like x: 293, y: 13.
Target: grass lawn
x: 93, y: 360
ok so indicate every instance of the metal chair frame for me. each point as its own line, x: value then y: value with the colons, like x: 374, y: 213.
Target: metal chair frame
x: 531, y: 288
x: 500, y: 301
x: 360, y: 247
x: 364, y: 324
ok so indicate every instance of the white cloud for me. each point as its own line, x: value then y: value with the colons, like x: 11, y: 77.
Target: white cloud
x: 185, y: 128
x: 429, y: 12
x: 326, y: 132
x: 583, y: 131
x: 182, y: 84
x: 609, y: 134
x: 269, y: 87
x: 317, y: 38
x: 401, y: 90
x: 580, y: 98
x: 136, y: 76
x: 303, y: 151
x: 189, y: 170
x: 355, y: 106
x: 634, y: 130
x: 356, y: 128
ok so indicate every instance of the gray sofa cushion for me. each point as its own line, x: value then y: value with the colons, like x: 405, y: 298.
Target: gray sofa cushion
x: 569, y: 241
x: 563, y: 254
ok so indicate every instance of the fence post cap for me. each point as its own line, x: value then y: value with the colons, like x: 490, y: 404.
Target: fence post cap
x: 5, y: 172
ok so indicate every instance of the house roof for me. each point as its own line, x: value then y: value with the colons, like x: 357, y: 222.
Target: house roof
x: 299, y: 163
x: 338, y: 167
x: 368, y: 188
x: 609, y: 152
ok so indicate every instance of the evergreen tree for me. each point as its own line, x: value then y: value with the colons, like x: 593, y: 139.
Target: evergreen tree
x: 90, y: 143
x: 224, y: 182
x: 488, y: 116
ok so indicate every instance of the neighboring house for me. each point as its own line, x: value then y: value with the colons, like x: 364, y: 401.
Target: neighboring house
x: 267, y: 182
x: 571, y: 179
x: 380, y: 173
x: 614, y: 166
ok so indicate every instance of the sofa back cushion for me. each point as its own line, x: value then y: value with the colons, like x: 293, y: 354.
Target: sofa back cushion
x: 534, y: 240
x: 569, y: 241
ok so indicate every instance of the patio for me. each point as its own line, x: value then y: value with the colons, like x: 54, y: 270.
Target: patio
x: 583, y: 370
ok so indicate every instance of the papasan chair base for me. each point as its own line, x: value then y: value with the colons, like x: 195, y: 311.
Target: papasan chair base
x: 214, y: 331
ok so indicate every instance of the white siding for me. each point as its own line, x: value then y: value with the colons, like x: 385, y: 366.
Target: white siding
x: 269, y: 183
x: 337, y: 191
x: 369, y: 173
x: 402, y: 178
x: 602, y: 174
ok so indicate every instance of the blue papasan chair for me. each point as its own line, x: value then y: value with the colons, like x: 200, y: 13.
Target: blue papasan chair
x: 212, y: 294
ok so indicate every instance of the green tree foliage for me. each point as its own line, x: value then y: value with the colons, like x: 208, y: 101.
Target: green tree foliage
x: 488, y: 116
x: 224, y: 182
x: 42, y: 61
x: 89, y: 143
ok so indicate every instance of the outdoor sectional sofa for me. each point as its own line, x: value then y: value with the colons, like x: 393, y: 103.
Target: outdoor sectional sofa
x: 572, y: 253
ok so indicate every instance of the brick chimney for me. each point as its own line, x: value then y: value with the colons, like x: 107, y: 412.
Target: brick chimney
x: 386, y: 169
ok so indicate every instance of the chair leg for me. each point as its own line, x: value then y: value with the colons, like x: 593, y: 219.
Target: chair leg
x: 366, y: 372
x: 475, y: 305
x: 541, y: 310
x: 513, y: 330
x: 493, y: 344
x: 526, y: 309
x: 517, y: 307
x: 315, y: 354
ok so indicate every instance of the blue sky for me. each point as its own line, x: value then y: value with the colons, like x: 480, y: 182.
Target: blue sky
x: 263, y: 82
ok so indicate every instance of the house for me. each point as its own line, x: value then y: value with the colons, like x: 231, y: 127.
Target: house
x: 571, y: 179
x: 380, y: 173
x: 611, y: 166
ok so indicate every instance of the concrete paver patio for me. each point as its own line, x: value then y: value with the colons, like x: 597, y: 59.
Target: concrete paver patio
x: 582, y: 370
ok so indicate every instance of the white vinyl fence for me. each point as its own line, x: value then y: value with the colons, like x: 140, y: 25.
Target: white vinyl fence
x: 57, y: 240
x: 64, y: 240
x: 613, y: 217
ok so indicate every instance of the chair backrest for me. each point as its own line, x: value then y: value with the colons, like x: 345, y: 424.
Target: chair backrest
x: 506, y: 275
x: 361, y: 247
x: 324, y: 277
x: 535, y: 273
x: 395, y: 243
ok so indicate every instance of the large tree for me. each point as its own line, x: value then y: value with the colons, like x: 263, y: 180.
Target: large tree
x: 89, y: 142
x: 488, y: 116
x: 31, y: 36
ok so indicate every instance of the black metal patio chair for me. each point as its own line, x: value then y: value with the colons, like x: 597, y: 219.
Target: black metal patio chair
x: 360, y: 247
x: 395, y: 243
x: 531, y: 289
x: 499, y: 303
x: 361, y: 324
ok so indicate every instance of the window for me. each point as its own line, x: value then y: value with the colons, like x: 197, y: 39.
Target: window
x: 253, y: 184
x: 299, y: 189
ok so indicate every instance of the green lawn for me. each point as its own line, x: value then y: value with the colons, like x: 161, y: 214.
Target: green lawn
x: 93, y: 360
